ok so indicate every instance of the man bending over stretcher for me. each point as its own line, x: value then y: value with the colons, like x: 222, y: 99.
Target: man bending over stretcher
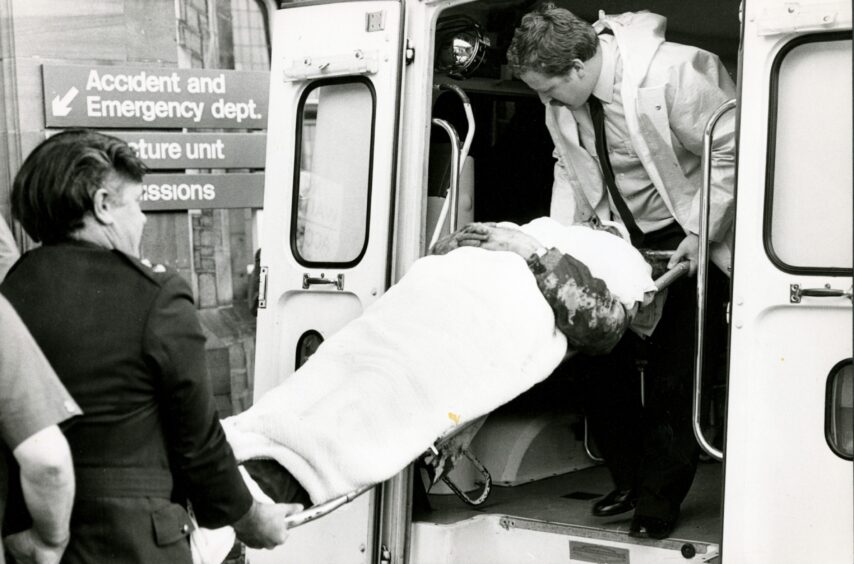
x: 378, y: 362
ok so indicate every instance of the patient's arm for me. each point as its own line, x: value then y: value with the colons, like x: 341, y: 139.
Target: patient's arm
x: 592, y: 319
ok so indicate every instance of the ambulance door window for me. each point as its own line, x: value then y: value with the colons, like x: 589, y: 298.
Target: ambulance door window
x: 839, y: 414
x: 808, y: 212
x: 333, y: 185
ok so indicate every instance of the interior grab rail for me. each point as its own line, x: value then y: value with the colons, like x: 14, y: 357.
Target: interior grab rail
x: 702, y: 278
x: 454, y: 190
x: 456, y: 169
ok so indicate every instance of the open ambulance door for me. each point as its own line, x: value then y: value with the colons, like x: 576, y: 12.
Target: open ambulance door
x: 789, y: 481
x: 327, y: 218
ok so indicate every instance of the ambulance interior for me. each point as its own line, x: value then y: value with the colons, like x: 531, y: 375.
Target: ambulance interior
x: 535, y: 448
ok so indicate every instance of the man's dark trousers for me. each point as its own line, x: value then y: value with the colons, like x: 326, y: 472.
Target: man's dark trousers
x: 650, y: 447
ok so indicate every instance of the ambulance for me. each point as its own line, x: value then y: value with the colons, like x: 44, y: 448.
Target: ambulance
x: 391, y: 121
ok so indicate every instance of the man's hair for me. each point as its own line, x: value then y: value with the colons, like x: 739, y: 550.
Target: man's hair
x: 54, y: 188
x: 549, y: 39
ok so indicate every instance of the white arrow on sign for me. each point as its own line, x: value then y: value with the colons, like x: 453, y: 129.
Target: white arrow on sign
x: 60, y: 106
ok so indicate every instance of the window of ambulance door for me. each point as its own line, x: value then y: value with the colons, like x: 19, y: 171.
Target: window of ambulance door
x: 808, y: 226
x: 333, y: 174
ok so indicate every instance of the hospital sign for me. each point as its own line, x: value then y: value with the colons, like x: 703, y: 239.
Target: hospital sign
x: 179, y: 191
x: 150, y: 97
x: 175, y: 150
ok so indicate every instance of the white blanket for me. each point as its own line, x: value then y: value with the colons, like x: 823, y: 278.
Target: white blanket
x: 458, y: 336
x: 609, y: 257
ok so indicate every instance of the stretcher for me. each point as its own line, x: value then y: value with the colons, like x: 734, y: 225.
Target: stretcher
x: 306, y: 440
x: 441, y: 457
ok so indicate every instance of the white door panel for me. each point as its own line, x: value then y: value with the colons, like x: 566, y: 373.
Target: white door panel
x: 343, y: 145
x: 328, y: 200
x: 788, y: 496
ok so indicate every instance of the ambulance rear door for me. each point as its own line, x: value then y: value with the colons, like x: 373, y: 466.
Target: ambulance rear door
x: 328, y: 202
x: 789, y: 480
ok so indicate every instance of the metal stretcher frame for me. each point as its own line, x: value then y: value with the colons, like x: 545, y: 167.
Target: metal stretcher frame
x: 322, y: 509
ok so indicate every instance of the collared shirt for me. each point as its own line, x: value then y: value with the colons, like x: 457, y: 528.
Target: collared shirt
x: 638, y: 191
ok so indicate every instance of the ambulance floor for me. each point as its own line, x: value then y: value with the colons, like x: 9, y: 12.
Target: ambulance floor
x: 567, y: 499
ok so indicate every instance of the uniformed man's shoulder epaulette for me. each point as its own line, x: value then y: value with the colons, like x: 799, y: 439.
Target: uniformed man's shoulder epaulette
x: 154, y: 272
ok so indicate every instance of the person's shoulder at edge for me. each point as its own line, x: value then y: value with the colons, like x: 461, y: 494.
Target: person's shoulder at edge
x: 157, y: 273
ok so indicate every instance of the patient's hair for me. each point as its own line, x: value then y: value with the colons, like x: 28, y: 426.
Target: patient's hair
x: 549, y: 39
x: 54, y: 188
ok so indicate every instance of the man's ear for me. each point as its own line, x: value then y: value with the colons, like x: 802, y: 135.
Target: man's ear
x: 102, y: 207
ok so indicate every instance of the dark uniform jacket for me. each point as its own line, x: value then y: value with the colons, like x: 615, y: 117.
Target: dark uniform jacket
x: 127, y: 344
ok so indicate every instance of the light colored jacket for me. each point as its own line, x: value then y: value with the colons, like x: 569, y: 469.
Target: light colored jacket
x: 669, y: 91
x: 8, y: 249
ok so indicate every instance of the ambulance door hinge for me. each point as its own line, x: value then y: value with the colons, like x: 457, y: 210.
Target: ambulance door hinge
x: 409, y: 52
x: 262, y: 287
x: 789, y: 17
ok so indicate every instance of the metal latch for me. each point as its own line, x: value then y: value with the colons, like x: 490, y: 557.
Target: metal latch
x: 262, y: 287
x: 409, y: 52
x: 796, y: 293
x: 308, y: 281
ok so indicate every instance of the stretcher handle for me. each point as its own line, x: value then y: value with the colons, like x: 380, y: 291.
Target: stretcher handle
x: 318, y: 511
x: 702, y: 277
x: 672, y: 275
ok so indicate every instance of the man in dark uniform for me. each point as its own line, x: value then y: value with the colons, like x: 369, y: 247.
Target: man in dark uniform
x: 126, y: 342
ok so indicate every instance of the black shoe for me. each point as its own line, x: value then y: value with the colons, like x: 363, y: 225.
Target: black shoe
x: 616, y: 502
x: 651, y: 527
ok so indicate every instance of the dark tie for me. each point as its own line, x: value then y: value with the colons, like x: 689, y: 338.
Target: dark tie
x: 598, y: 117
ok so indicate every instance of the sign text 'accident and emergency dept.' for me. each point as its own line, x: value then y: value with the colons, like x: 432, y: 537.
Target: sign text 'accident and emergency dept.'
x: 134, y: 97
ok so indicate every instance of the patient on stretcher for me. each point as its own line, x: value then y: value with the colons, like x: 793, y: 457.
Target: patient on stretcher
x: 463, y: 332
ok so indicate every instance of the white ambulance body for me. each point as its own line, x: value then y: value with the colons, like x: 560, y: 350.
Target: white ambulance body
x: 354, y: 184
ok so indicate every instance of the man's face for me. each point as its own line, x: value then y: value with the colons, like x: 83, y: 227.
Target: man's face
x: 571, y: 89
x: 128, y: 218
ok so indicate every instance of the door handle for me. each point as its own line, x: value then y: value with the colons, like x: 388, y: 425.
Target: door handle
x: 796, y: 293
x: 308, y: 281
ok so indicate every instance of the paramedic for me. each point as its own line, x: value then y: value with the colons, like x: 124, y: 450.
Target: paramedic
x: 32, y: 403
x: 626, y: 111
x: 125, y: 340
